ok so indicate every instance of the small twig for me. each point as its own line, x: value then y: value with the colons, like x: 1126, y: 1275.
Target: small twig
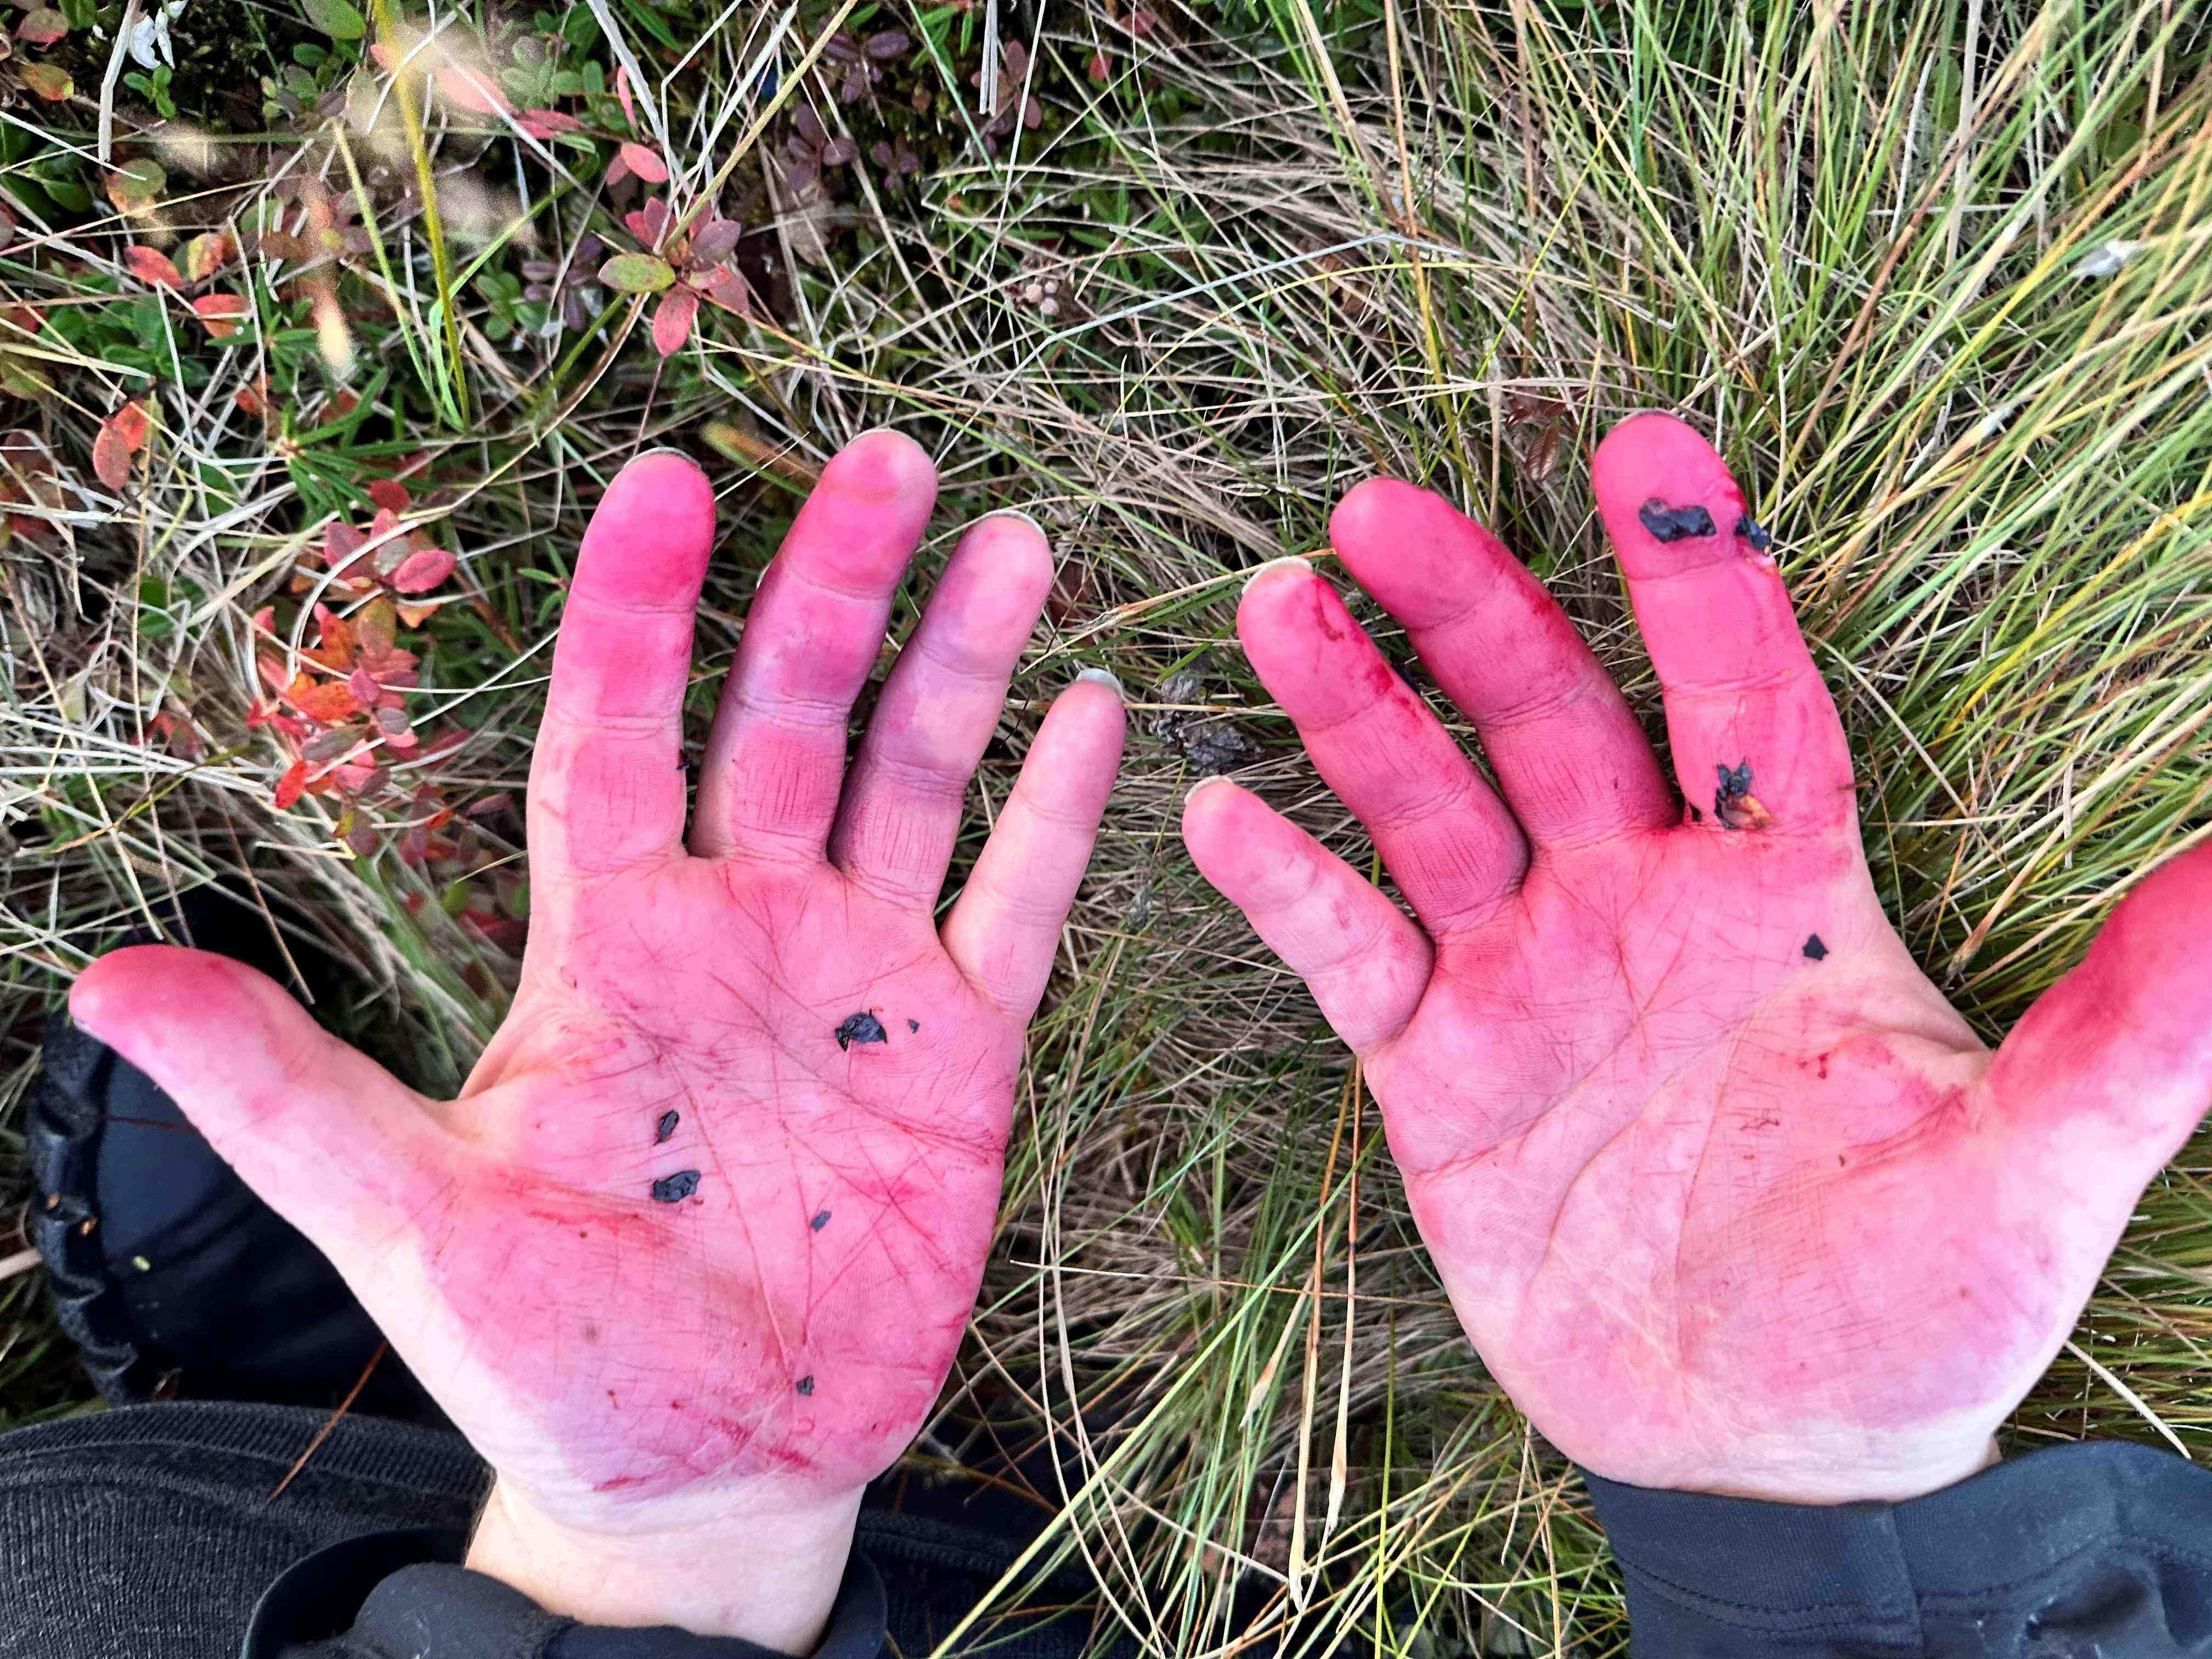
x: 22, y: 1262
x: 332, y: 1421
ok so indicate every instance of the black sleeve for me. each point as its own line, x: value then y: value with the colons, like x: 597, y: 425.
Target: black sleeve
x: 2101, y: 1548
x: 404, y: 1595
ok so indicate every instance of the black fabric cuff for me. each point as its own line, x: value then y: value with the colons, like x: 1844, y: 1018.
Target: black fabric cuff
x: 2105, y: 1545
x: 399, y: 1595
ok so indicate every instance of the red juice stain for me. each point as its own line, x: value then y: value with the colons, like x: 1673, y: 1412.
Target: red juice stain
x: 1324, y: 612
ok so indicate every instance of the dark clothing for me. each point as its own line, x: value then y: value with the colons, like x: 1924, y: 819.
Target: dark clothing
x: 147, y: 1533
x: 2102, y: 1548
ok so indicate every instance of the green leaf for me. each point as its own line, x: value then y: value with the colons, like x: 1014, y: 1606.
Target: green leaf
x: 336, y: 18
x: 637, y: 273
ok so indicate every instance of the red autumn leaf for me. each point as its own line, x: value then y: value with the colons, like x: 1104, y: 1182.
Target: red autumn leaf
x: 621, y: 92
x: 364, y: 687
x: 645, y: 161
x: 724, y: 287
x: 133, y: 422
x: 396, y: 732
x: 264, y: 620
x: 221, y: 313
x: 206, y: 254
x: 415, y: 615
x: 422, y: 571
x: 342, y: 545
x: 292, y: 785
x: 111, y: 461
x: 153, y: 267
x: 121, y: 435
x: 650, y: 222
x: 472, y: 90
x: 43, y: 27
x: 338, y: 647
x: 327, y: 746
x: 390, y: 493
x: 377, y: 623
x: 329, y: 702
x: 547, y: 123
x: 672, y: 319
x: 359, y: 834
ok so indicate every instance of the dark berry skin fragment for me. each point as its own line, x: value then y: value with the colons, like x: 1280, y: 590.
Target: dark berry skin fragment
x: 665, y: 1128
x: 1750, y: 530
x: 861, y: 1028
x: 1814, y: 950
x: 806, y: 1385
x: 669, y: 1189
x: 1673, y: 523
x: 820, y: 1221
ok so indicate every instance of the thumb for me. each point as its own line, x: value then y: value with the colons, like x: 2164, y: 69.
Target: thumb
x: 2112, y: 1066
x: 331, y: 1141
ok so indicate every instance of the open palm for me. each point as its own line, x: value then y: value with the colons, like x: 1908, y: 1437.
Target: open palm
x: 709, y: 1217
x: 1726, y: 1193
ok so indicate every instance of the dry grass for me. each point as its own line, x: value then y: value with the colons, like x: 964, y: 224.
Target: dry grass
x: 1934, y: 276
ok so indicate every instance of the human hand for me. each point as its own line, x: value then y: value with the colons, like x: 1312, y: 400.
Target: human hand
x: 1727, y: 1196
x: 688, y: 1259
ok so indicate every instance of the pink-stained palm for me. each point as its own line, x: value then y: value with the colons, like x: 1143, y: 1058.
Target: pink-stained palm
x: 699, y: 1237
x: 1725, y: 1193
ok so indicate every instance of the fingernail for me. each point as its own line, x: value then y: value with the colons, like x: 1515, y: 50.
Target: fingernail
x: 1273, y: 565
x: 1102, y: 677
x: 1016, y: 512
x: 660, y: 449
x: 1206, y: 782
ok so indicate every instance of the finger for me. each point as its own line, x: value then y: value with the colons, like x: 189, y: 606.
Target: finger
x: 1568, y: 752
x: 901, y: 812
x: 775, y: 760
x: 327, y: 1137
x: 1449, y: 843
x: 1741, y: 688
x: 1364, y: 962
x: 1005, y: 926
x: 2109, y: 1071
x: 606, y: 787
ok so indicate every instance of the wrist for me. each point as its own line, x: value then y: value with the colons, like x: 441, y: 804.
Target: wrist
x: 1855, y: 1482
x: 766, y: 1571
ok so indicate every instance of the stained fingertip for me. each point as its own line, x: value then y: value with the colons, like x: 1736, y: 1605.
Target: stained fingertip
x: 1093, y: 686
x: 1019, y: 517
x: 1290, y: 625
x: 649, y: 538
x: 1011, y: 541
x: 1275, y: 568
x: 1200, y: 802
x: 1368, y: 509
x: 880, y: 465
x: 1669, y: 501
